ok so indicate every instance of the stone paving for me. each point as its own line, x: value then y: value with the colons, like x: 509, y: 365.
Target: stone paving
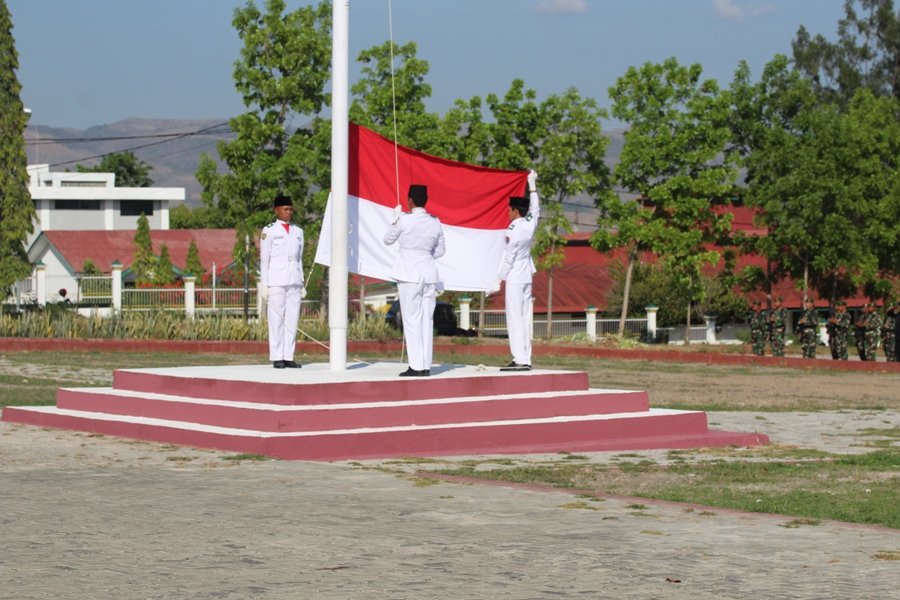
x: 94, y: 517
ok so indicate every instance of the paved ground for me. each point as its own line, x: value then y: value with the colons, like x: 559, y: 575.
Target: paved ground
x: 94, y: 517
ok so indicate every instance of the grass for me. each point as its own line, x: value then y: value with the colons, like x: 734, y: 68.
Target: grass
x: 860, y: 488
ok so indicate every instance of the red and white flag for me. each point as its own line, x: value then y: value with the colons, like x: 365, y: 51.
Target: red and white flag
x: 472, y: 203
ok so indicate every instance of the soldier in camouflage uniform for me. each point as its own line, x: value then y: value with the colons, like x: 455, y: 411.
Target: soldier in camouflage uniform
x: 889, y: 333
x: 808, y: 326
x: 859, y: 332
x: 842, y: 329
x: 777, y: 323
x: 873, y: 332
x: 831, y: 330
x: 759, y: 328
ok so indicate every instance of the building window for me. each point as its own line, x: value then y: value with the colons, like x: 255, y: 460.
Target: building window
x: 134, y: 208
x: 76, y: 204
x: 82, y: 183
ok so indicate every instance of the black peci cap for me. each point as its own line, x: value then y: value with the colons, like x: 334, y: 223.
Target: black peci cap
x: 282, y: 200
x: 419, y: 194
x: 519, y: 203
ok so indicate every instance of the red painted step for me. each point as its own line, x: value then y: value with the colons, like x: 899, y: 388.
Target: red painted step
x: 658, y: 428
x: 273, y: 417
x: 316, y: 384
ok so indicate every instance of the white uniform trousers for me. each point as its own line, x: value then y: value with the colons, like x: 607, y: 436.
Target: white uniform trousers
x: 283, y: 313
x: 518, y: 309
x: 417, y: 301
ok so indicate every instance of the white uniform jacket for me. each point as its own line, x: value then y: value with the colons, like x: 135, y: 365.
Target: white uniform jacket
x: 517, y: 265
x: 281, y: 255
x: 421, y: 242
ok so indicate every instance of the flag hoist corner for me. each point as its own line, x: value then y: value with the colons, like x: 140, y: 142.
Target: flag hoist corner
x: 471, y: 202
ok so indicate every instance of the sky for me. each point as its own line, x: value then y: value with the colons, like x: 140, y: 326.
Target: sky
x: 94, y: 62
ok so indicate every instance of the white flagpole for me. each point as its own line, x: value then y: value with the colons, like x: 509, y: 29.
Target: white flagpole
x: 340, y: 100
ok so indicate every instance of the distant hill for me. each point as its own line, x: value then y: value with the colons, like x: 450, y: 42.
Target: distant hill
x: 174, y: 161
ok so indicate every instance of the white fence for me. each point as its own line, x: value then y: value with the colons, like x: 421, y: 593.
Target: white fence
x: 106, y: 293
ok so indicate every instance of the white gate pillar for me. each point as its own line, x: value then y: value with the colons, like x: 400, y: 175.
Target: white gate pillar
x: 591, y: 313
x: 116, y: 285
x: 40, y: 282
x: 651, y: 309
x: 464, y: 319
x: 189, y: 297
x: 710, y: 328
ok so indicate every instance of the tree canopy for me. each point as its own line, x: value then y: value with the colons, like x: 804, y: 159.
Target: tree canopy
x: 129, y: 170
x: 16, y: 209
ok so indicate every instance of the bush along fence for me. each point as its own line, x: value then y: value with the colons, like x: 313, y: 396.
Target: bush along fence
x: 107, y: 294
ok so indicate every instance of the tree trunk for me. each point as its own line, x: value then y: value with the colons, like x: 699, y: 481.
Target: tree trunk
x: 805, y: 278
x: 481, y: 315
x: 687, y: 331
x: 550, y: 304
x: 326, y: 289
x: 632, y: 257
x: 362, y: 297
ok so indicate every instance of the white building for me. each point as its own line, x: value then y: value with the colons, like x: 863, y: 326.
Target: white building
x: 91, y: 201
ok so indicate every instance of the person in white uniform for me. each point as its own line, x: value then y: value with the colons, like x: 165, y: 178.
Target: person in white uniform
x: 281, y: 282
x: 517, y: 268
x: 421, y: 241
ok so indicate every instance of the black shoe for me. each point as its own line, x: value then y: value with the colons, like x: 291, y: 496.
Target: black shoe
x: 278, y: 364
x: 514, y: 366
x: 292, y: 365
x: 425, y: 373
x: 410, y: 372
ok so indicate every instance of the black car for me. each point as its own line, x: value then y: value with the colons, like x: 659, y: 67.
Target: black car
x: 444, y: 318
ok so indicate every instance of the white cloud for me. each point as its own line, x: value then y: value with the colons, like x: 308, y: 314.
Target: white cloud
x: 562, y: 7
x: 729, y: 9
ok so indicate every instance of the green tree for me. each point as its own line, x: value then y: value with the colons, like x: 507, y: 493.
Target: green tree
x: 671, y: 161
x: 379, y: 97
x: 202, y: 217
x: 192, y: 263
x: 130, y: 171
x: 281, y: 74
x: 17, y: 212
x: 144, y: 260
x: 90, y: 269
x: 823, y: 183
x: 163, y: 273
x: 866, y: 54
x: 570, y: 163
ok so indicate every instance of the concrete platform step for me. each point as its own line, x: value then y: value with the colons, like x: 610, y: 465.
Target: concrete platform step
x: 317, y: 384
x: 277, y: 417
x: 656, y: 428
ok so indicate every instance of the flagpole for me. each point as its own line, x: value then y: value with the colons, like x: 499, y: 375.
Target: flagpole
x: 340, y: 99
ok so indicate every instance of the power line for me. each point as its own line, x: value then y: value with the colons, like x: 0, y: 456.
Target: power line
x: 207, y: 131
x: 184, y: 135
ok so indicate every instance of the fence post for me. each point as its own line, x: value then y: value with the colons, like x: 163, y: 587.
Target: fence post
x: 591, y: 313
x: 40, y: 282
x: 651, y: 309
x: 116, y: 267
x: 710, y: 328
x: 464, y: 320
x: 189, y: 298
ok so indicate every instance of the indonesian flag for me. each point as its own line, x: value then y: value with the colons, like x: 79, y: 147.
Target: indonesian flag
x: 472, y: 203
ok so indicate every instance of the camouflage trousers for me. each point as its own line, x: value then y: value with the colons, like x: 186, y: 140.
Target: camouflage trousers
x: 871, y: 342
x: 860, y: 345
x: 838, y: 345
x: 889, y: 343
x: 808, y: 341
x: 758, y: 337
x: 777, y: 341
